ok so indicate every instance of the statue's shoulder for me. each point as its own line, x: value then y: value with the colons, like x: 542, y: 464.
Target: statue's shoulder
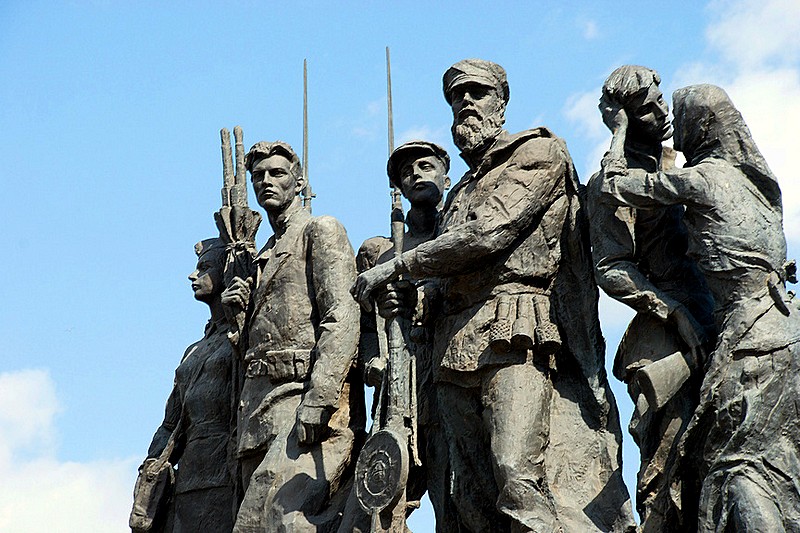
x: 370, y: 252
x: 535, y: 146
x: 327, y: 233
x: 594, y: 184
x: 324, y: 226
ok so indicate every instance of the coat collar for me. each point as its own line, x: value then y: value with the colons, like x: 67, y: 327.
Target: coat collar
x: 290, y: 224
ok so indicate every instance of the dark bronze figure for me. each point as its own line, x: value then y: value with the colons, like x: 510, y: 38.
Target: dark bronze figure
x: 640, y: 259
x: 744, y: 439
x: 299, y: 417
x: 518, y: 355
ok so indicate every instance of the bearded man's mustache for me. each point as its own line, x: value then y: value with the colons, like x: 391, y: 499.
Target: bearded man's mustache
x: 467, y: 113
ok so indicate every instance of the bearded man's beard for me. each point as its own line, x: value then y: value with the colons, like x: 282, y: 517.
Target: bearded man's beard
x: 471, y: 132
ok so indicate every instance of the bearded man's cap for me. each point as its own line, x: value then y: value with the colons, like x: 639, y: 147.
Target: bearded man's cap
x: 478, y: 71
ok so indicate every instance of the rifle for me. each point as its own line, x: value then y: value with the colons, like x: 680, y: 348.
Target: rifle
x: 383, y: 464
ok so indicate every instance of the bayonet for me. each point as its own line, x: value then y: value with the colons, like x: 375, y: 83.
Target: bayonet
x: 308, y: 195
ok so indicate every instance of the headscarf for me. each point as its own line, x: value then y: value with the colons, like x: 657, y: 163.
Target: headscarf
x: 708, y: 125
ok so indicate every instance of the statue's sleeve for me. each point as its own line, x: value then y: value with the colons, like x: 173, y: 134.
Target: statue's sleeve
x: 533, y: 179
x: 613, y: 249
x: 641, y: 189
x: 172, y: 415
x: 333, y: 272
x: 368, y: 343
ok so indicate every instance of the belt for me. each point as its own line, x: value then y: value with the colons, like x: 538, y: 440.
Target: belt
x: 279, y: 365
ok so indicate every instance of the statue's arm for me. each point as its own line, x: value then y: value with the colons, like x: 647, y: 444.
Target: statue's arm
x: 333, y: 271
x: 172, y: 415
x: 613, y: 250
x: 371, y: 359
x: 641, y: 189
x: 531, y: 182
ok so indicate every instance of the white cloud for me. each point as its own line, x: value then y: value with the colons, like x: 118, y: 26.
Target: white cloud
x: 40, y: 493
x: 439, y: 136
x: 759, y: 48
x: 581, y: 109
x: 25, y: 417
x: 590, y: 30
x: 751, y: 33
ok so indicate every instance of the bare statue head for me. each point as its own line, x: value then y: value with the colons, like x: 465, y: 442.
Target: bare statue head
x: 636, y: 89
x: 276, y: 174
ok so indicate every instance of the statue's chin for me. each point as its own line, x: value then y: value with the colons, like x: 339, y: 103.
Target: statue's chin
x: 473, y: 133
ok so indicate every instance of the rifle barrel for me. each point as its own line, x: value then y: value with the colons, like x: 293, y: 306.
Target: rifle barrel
x: 398, y: 218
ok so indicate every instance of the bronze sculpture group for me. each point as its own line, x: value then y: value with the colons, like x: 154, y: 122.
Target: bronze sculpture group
x: 478, y: 328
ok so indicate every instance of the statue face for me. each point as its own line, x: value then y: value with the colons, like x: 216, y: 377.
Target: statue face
x: 274, y: 182
x: 647, y: 115
x: 692, y: 121
x: 477, y: 114
x: 423, y: 180
x: 207, y: 277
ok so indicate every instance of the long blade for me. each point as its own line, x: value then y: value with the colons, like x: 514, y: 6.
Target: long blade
x: 389, y: 100
x: 398, y: 219
x: 308, y: 194
x: 305, y: 120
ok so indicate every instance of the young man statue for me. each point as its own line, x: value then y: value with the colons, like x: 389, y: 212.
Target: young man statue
x: 299, y: 418
x: 419, y: 170
x: 640, y: 257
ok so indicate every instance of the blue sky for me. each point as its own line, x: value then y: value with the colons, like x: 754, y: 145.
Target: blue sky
x: 110, y: 155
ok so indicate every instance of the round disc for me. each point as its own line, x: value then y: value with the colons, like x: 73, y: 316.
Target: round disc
x: 381, y: 470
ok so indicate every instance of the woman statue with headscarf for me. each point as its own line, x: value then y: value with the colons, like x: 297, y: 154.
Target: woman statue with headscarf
x: 744, y: 439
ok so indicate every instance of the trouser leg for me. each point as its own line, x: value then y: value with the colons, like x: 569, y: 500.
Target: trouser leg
x: 517, y: 411
x: 473, y: 489
x: 438, y: 480
x: 290, y: 490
